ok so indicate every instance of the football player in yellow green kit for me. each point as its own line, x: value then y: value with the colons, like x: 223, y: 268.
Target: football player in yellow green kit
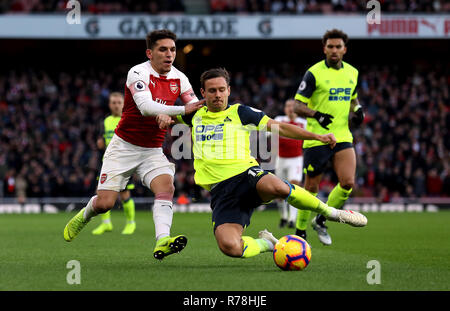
x: 224, y: 166
x: 116, y: 105
x: 326, y: 96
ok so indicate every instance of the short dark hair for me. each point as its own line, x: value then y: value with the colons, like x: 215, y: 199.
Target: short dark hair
x: 335, y: 34
x: 113, y: 94
x: 155, y: 35
x: 214, y: 73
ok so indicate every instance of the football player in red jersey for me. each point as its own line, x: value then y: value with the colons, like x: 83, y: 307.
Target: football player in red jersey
x: 151, y: 89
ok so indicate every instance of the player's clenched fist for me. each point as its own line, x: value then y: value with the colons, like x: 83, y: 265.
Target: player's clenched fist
x: 324, y: 119
x: 328, y: 139
x: 164, y: 121
x: 358, y: 117
x: 189, y: 108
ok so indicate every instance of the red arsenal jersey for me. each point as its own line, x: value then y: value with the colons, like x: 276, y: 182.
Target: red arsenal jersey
x: 142, y: 130
x: 289, y: 148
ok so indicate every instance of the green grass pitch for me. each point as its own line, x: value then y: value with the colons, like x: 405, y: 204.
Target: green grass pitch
x: 413, y: 250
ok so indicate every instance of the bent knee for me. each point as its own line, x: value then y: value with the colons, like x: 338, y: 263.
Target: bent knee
x: 231, y: 247
x: 170, y: 189
x: 281, y: 190
x: 104, y: 205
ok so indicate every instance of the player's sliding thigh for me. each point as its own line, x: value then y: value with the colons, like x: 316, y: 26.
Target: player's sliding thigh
x: 344, y: 164
x: 105, y: 200
x: 162, y: 184
x: 229, y: 239
x: 312, y: 183
x: 271, y: 187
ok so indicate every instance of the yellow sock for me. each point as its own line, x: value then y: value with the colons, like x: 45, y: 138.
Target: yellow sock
x: 253, y: 247
x: 129, y: 209
x: 302, y: 199
x: 303, y: 217
x: 106, y: 217
x: 338, y: 196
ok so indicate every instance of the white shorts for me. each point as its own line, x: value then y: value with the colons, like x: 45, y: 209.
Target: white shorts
x: 122, y: 160
x: 289, y: 168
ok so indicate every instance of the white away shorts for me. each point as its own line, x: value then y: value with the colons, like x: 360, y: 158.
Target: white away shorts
x: 122, y: 160
x: 289, y: 168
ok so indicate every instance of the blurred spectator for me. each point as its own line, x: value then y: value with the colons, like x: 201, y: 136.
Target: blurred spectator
x: 325, y: 6
x: 21, y: 187
x: 434, y: 183
x: 93, y: 6
x: 419, y: 183
x: 226, y: 6
x: 10, y: 183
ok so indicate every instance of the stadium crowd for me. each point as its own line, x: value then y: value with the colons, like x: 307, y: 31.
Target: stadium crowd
x: 49, y: 123
x: 226, y: 6
x: 93, y: 6
x: 324, y: 6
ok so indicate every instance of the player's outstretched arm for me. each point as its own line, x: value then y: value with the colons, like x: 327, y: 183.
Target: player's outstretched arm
x: 302, y: 110
x: 165, y: 121
x: 296, y: 132
x: 149, y: 107
x: 138, y: 85
x: 193, y: 107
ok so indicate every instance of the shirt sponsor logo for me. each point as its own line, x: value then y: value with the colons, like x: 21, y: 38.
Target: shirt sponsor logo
x: 160, y: 101
x: 339, y: 94
x: 209, y: 132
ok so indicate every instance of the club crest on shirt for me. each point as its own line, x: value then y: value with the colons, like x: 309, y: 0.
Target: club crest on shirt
x: 173, y: 87
x: 103, y: 178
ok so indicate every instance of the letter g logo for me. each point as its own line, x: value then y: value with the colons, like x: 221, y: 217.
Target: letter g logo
x: 265, y: 27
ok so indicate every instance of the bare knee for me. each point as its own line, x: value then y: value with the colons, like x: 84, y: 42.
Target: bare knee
x: 231, y: 246
x: 162, y: 184
x: 170, y: 188
x: 167, y: 188
x: 271, y: 187
x: 312, y: 183
x: 125, y: 195
x: 281, y: 190
x: 104, y: 204
x: 313, y: 188
x: 229, y: 239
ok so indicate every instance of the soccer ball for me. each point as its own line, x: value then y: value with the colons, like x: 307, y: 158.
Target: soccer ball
x: 291, y: 252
